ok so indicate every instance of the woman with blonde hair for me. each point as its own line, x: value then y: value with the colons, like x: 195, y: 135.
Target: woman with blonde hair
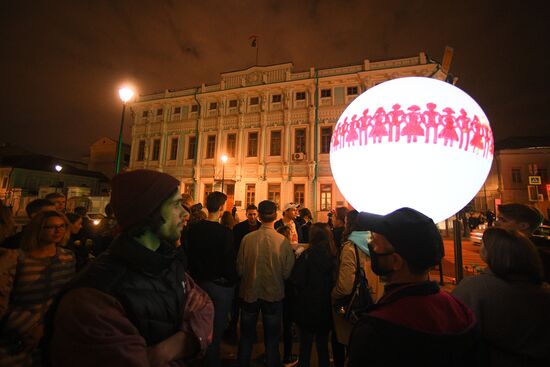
x: 510, y: 301
x: 30, y: 278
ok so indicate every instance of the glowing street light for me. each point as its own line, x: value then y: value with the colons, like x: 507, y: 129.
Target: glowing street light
x: 224, y: 160
x: 58, y: 168
x: 125, y: 95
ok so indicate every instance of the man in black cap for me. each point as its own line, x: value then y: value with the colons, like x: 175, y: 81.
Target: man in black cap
x: 414, y: 322
x: 135, y: 305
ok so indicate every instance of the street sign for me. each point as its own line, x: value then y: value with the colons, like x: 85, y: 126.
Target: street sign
x: 534, y: 180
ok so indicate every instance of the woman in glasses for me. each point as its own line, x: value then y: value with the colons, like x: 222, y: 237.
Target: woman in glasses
x: 30, y: 278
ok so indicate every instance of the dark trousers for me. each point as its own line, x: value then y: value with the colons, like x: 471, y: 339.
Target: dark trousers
x: 271, y: 315
x: 287, y: 329
x: 306, y: 343
x: 221, y: 298
x: 338, y: 351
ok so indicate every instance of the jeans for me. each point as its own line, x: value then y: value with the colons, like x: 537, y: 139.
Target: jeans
x: 222, y: 298
x: 306, y: 342
x: 272, y: 316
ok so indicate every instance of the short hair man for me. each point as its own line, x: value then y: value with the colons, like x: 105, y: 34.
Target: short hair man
x: 414, y: 322
x: 264, y: 261
x: 32, y: 209
x: 58, y: 199
x: 212, y: 260
x: 290, y: 214
x: 135, y: 305
x: 338, y: 224
x: 250, y: 224
x: 520, y: 217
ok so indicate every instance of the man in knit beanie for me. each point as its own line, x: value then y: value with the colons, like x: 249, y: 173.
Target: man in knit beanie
x: 135, y: 304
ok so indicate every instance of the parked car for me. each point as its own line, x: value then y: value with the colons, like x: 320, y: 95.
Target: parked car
x: 540, y: 237
x: 476, y: 234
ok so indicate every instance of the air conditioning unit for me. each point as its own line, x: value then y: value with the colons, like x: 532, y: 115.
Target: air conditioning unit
x: 298, y: 156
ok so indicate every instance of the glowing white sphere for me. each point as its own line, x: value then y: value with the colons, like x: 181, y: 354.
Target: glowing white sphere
x: 414, y: 142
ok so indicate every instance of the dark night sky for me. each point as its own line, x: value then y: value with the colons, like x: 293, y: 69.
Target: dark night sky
x: 63, y: 61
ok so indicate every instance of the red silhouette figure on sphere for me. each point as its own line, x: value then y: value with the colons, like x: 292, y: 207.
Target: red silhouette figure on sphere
x: 413, y: 119
x: 449, y: 124
x: 463, y: 122
x: 395, y: 117
x: 378, y: 128
x: 364, y: 123
x: 431, y: 117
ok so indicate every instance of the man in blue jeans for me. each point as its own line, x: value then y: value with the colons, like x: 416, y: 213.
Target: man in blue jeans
x: 264, y: 261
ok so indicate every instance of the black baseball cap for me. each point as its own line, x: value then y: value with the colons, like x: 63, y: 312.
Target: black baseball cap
x: 412, y: 234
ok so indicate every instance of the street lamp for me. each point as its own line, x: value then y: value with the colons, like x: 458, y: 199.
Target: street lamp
x: 224, y: 159
x: 125, y: 95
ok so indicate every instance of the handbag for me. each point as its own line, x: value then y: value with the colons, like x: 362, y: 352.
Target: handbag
x: 352, y: 306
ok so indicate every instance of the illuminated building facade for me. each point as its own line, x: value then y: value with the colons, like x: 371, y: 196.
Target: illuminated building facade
x: 274, y: 125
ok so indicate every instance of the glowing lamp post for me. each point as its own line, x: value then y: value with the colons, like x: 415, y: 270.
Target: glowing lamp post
x: 125, y: 95
x: 415, y: 142
x: 224, y: 160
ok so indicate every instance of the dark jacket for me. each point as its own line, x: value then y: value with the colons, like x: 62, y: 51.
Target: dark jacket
x: 312, y: 281
x: 242, y: 229
x: 148, y: 284
x: 210, y: 253
x: 416, y: 324
x: 280, y: 223
x: 513, y: 316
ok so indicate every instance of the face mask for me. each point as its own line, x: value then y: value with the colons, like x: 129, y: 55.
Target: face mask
x: 376, y: 267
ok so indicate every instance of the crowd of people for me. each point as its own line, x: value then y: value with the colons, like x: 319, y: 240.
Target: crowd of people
x: 164, y: 280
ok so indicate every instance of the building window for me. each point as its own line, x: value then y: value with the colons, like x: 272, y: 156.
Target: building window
x: 300, y: 96
x: 231, y: 147
x: 274, y: 193
x: 300, y: 141
x: 326, y: 93
x: 189, y: 188
x: 275, y: 143
x: 299, y: 194
x: 252, y: 145
x: 276, y: 98
x: 516, y: 175
x: 326, y: 135
x: 159, y: 112
x: 352, y: 91
x: 141, y: 151
x: 326, y: 197
x: 211, y: 146
x: 250, y: 194
x: 177, y: 110
x: 156, y: 150
x: 207, y: 191
x: 254, y: 101
x: 195, y: 108
x: 174, y: 149
x: 191, y: 147
x: 213, y: 105
x: 145, y: 114
x: 233, y: 103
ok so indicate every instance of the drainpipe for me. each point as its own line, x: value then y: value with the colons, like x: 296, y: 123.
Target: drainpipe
x: 315, y: 145
x: 195, y: 155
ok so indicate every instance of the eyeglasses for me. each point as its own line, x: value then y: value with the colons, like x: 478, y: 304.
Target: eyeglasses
x: 54, y: 228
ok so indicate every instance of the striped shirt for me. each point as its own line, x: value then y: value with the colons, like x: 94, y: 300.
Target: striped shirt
x: 37, y: 281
